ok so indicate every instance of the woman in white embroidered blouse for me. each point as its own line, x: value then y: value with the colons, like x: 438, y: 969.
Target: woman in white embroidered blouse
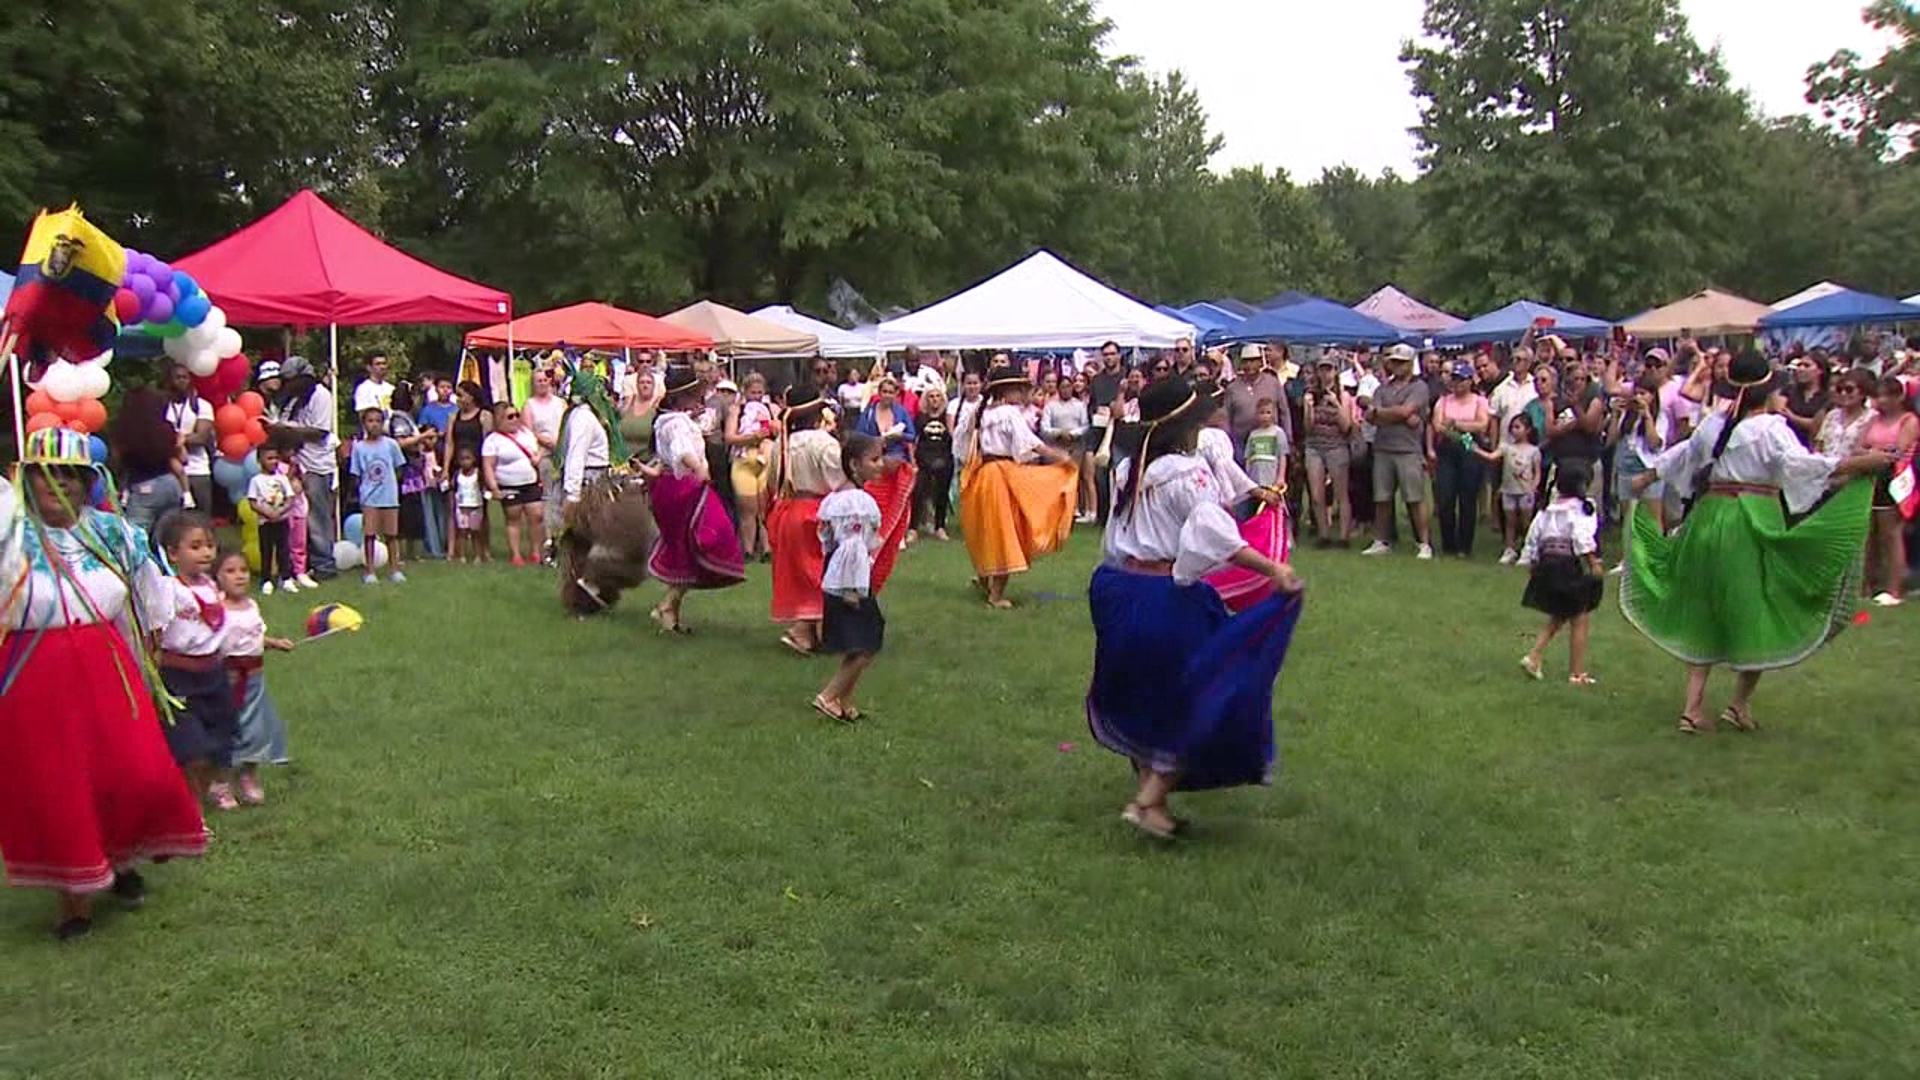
x: 697, y: 547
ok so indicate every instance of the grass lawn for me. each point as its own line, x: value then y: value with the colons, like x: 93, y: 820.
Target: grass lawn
x: 516, y: 845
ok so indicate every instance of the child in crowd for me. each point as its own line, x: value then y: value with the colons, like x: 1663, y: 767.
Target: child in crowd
x: 469, y: 509
x: 297, y: 518
x: 1519, y: 462
x: 1266, y: 447
x: 1640, y: 429
x: 851, y: 623
x: 260, y: 736
x: 191, y: 667
x: 377, y: 461
x: 1563, y: 548
x: 271, y: 494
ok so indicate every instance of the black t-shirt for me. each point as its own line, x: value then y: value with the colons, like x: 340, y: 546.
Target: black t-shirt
x: 1103, y: 388
x: 1576, y: 444
x: 935, y: 445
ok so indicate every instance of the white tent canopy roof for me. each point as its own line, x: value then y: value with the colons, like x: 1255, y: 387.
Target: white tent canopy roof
x: 1810, y: 293
x: 1038, y: 303
x: 835, y: 343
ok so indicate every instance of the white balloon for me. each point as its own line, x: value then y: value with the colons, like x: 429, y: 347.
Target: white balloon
x: 94, y: 382
x: 379, y: 554
x: 226, y: 343
x: 199, y: 338
x: 203, y: 363
x: 346, y: 554
x: 104, y: 359
x: 215, y: 321
x: 178, y: 349
x: 62, y: 382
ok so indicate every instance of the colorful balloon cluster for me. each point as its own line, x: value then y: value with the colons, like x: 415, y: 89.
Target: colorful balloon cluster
x: 169, y: 304
x: 68, y: 395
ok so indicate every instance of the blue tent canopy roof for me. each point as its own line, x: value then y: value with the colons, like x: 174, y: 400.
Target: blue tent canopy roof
x: 1847, y: 307
x: 1206, y: 316
x: 1313, y: 321
x: 1236, y: 306
x: 1510, y: 322
x: 1287, y: 299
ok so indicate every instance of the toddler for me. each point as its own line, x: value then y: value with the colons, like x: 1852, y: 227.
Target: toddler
x: 469, y: 509
x: 1519, y: 462
x: 259, y: 736
x: 1563, y: 548
x: 271, y: 495
x: 191, y: 667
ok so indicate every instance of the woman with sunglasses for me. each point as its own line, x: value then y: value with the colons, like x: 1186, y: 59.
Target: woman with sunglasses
x: 890, y: 420
x: 1845, y: 424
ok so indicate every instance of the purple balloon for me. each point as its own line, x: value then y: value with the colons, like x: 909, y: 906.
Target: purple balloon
x: 159, y: 309
x: 158, y: 270
x: 142, y: 287
x: 137, y: 263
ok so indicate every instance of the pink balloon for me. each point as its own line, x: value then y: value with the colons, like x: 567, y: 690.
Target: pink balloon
x: 126, y: 305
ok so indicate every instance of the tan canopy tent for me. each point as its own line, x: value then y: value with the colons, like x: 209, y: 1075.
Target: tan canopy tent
x: 1710, y: 313
x: 736, y: 333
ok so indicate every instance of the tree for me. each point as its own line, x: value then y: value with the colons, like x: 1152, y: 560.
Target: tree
x: 1877, y: 104
x: 1578, y: 151
x: 1377, y: 219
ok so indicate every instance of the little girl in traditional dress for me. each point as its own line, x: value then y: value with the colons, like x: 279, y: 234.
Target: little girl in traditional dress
x: 260, y: 736
x: 1564, y: 550
x: 191, y: 666
x: 850, y: 538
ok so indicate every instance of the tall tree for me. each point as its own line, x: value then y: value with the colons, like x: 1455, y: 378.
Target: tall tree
x: 1377, y: 218
x: 1578, y: 151
x: 1878, y: 104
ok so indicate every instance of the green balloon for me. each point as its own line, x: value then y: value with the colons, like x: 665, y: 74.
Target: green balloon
x: 170, y: 328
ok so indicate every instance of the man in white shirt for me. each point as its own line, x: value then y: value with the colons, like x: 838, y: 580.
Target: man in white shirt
x: 543, y: 413
x: 307, y: 417
x: 1514, y: 393
x: 374, y: 391
x: 192, y: 419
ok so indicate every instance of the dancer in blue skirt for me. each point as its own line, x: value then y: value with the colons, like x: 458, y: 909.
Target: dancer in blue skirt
x: 1182, y: 688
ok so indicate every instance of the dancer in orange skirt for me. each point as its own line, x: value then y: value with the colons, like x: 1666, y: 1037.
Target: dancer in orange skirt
x: 88, y: 789
x: 804, y: 471
x: 1013, y: 509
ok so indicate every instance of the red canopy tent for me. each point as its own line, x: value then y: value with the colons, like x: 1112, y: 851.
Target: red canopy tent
x: 591, y: 325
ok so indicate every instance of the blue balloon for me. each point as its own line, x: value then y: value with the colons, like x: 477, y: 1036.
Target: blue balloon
x: 192, y: 310
x: 188, y: 286
x: 251, y: 465
x: 97, y: 447
x: 353, y: 530
x: 230, y: 475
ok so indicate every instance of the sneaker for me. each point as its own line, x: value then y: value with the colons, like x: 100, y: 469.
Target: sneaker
x: 1887, y: 599
x: 369, y: 579
x: 251, y: 792
x: 221, y: 796
x: 1425, y: 552
x: 397, y: 578
x: 266, y: 588
x: 1379, y: 548
x: 1509, y: 557
x: 306, y: 581
x: 289, y: 586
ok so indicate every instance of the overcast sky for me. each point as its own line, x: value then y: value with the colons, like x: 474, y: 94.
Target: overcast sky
x: 1308, y: 84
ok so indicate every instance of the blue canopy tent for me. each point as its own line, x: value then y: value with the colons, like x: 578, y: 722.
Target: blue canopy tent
x: 1287, y: 299
x: 1511, y: 322
x: 1844, y: 308
x: 1236, y: 306
x: 6, y: 286
x: 1313, y: 321
x: 1211, y: 321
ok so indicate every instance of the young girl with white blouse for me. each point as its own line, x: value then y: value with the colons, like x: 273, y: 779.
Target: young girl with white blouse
x: 851, y: 623
x: 191, y: 666
x: 1563, y: 548
x: 259, y: 735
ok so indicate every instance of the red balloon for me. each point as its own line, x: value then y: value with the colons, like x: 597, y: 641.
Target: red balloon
x: 256, y: 433
x: 126, y: 304
x: 208, y: 387
x: 67, y: 411
x: 235, y: 447
x: 233, y: 373
x: 38, y: 402
x: 42, y: 421
x: 93, y: 414
x: 252, y: 402
x: 229, y: 419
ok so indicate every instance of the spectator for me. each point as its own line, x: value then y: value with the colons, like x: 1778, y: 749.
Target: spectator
x: 1575, y: 431
x: 418, y: 446
x: 1845, y: 424
x: 1806, y: 397
x: 853, y: 391
x: 147, y: 450
x: 1894, y: 430
x: 1330, y: 425
x: 192, y: 418
x: 933, y: 485
x: 1460, y: 423
x: 507, y: 459
x: 1064, y: 422
x: 1183, y: 358
x: 374, y: 391
x: 305, y: 417
x: 1398, y: 414
x: 1252, y: 381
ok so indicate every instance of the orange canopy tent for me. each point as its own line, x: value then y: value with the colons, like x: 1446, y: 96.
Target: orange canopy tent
x: 591, y: 325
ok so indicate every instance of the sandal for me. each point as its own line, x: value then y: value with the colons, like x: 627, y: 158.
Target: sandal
x: 1136, y: 815
x: 1002, y: 604
x: 1582, y: 679
x: 1532, y: 667
x: 1740, y: 719
x: 852, y: 714
x: 1694, y: 726
x: 793, y: 643
x: 825, y: 708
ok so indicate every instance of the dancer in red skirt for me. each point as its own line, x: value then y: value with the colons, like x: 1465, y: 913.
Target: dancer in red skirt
x: 805, y: 470
x: 87, y: 787
x: 697, y: 547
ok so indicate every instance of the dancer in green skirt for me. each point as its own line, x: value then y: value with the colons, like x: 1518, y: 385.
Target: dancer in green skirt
x: 1735, y: 584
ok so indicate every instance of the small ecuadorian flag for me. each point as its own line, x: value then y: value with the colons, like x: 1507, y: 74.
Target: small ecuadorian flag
x: 62, y: 300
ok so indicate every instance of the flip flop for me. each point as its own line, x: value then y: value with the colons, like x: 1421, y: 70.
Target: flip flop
x: 1002, y: 604
x: 1134, y: 816
x: 1532, y: 669
x: 1741, y: 719
x: 821, y: 706
x: 793, y: 643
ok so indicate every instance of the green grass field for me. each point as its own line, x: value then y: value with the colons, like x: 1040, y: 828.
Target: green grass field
x: 516, y: 845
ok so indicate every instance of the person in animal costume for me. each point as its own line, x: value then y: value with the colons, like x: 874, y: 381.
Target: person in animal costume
x: 607, y: 529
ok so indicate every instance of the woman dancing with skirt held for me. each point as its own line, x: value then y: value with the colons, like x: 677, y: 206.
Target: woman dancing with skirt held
x: 805, y: 469
x: 1012, y: 508
x: 1735, y: 584
x: 696, y: 548
x: 1182, y: 687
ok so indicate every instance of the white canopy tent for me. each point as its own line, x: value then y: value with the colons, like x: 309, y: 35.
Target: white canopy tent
x: 835, y: 343
x: 1038, y: 303
x: 1806, y: 295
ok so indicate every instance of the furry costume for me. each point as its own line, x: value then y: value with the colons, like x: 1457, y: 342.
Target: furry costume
x: 603, y: 544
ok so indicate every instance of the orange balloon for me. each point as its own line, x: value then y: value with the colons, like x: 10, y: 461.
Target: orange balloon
x: 42, y: 421
x: 230, y: 419
x: 38, y: 402
x: 67, y: 411
x: 235, y: 447
x: 93, y: 414
x: 256, y: 433
x: 252, y: 404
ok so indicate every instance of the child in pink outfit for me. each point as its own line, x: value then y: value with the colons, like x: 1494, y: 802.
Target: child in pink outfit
x: 297, y: 522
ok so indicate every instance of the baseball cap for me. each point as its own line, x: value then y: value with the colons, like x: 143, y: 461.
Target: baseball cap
x: 269, y: 369
x: 1402, y: 352
x: 1252, y: 350
x: 1460, y: 369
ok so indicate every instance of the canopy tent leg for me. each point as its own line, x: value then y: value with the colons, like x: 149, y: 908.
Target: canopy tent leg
x: 8, y: 339
x: 333, y: 421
